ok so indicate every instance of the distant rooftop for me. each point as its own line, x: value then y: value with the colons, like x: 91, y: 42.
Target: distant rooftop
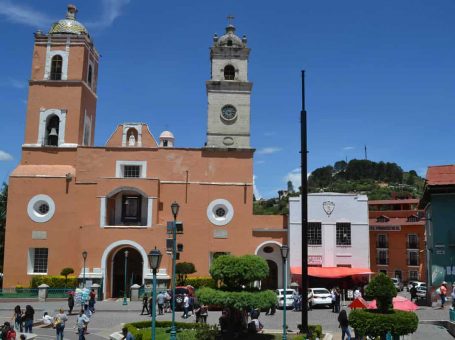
x: 441, y: 175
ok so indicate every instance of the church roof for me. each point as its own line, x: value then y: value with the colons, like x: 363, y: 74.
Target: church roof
x: 229, y: 39
x: 69, y: 24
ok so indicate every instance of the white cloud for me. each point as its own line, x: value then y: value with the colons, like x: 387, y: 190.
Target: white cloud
x: 269, y: 150
x: 349, y: 148
x: 260, y: 162
x: 256, y: 192
x: 23, y: 15
x: 4, y: 156
x: 17, y: 84
x: 112, y: 9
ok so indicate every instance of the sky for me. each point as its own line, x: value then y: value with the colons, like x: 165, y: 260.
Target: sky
x: 378, y: 73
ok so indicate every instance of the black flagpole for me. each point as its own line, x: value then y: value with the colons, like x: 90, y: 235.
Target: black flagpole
x: 304, y: 206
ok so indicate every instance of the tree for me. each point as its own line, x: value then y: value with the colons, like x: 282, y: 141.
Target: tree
x: 382, y: 289
x: 65, y: 272
x: 182, y: 270
x: 340, y: 166
x: 290, y: 187
x: 236, y: 275
x: 3, y: 206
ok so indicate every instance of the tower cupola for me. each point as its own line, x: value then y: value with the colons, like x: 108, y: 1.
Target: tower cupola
x: 229, y: 39
x: 69, y: 24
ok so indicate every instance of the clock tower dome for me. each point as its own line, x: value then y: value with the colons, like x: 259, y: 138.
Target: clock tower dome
x: 229, y: 92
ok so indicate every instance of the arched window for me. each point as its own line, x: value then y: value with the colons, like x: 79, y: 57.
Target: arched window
x: 52, y: 131
x: 56, y: 67
x: 89, y: 77
x: 229, y: 72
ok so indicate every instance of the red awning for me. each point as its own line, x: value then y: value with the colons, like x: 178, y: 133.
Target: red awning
x: 332, y: 272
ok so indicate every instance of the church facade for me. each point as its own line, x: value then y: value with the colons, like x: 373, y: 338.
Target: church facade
x: 68, y: 196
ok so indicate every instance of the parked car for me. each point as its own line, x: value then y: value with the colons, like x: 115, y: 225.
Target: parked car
x: 422, y: 291
x: 180, y: 292
x: 321, y: 296
x: 398, y: 284
x: 289, y: 297
x: 416, y: 283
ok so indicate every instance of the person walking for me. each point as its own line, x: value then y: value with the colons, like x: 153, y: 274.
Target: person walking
x: 59, y: 323
x: 453, y: 295
x: 186, y: 306
x: 332, y: 293
x: 17, y: 319
x: 413, y: 292
x: 160, y: 299
x: 145, y: 303
x: 82, y: 322
x: 204, y: 312
x: 92, y: 300
x: 28, y: 318
x: 337, y: 300
x: 70, y: 302
x: 442, y: 293
x: 344, y: 325
x: 126, y: 334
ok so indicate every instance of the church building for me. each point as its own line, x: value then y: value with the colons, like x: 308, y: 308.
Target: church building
x: 112, y: 203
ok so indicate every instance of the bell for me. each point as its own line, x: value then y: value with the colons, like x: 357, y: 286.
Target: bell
x: 53, y: 133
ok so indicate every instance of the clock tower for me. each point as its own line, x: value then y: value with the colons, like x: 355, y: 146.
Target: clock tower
x: 228, y: 92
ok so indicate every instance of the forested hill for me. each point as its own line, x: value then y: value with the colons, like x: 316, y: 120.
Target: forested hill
x: 379, y: 180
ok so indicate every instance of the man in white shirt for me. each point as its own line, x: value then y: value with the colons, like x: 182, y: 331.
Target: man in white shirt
x: 82, y: 322
x: 357, y: 293
x: 186, y: 306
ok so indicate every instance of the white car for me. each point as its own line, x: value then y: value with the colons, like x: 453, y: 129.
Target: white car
x: 289, y: 297
x: 397, y: 283
x: 416, y: 283
x: 321, y: 296
x: 422, y: 291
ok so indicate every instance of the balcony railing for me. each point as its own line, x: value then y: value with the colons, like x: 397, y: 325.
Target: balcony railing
x: 382, y: 244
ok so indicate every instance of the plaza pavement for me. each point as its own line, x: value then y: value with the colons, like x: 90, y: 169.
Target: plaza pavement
x: 111, y: 314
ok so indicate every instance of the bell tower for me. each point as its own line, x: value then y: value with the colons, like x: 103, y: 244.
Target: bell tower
x: 61, y: 107
x: 229, y: 92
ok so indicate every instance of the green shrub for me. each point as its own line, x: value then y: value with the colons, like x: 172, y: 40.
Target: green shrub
x: 199, y: 282
x: 382, y: 289
x: 370, y: 322
x: 53, y: 281
x: 316, y: 332
x: 238, y: 300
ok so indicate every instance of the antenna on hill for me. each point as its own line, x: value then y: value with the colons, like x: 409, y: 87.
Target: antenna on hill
x: 366, y: 156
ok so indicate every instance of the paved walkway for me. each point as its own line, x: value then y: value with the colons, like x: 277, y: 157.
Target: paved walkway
x: 110, y: 315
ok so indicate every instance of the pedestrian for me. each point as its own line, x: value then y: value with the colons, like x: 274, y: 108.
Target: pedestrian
x: 160, y: 299
x: 8, y: 332
x: 344, y: 325
x: 145, y: 302
x: 332, y: 293
x: 357, y: 293
x: 413, y: 292
x: 82, y: 322
x: 59, y: 323
x: 309, y: 299
x: 442, y: 293
x: 70, y: 302
x: 92, y: 300
x: 337, y: 300
x: 47, y: 319
x: 186, y: 306
x: 28, y: 318
x: 224, y: 321
x: 126, y: 334
x: 17, y: 318
x: 295, y: 298
x: 255, y: 326
x: 204, y: 312
x: 453, y: 295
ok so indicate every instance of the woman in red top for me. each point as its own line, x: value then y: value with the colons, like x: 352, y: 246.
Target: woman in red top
x: 443, y: 292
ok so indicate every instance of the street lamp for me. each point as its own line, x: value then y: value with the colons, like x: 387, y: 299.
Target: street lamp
x: 125, y: 302
x: 175, y: 211
x: 84, y: 256
x: 154, y: 261
x: 284, y: 255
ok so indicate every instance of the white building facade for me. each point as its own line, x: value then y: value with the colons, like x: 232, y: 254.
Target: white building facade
x: 338, y: 232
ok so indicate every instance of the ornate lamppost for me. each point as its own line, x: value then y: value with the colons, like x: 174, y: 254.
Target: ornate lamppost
x: 125, y: 302
x: 154, y: 261
x: 84, y: 256
x: 284, y: 256
x: 175, y: 210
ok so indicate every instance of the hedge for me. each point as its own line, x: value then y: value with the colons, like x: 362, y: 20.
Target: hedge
x: 54, y: 281
x: 370, y: 322
x: 138, y: 328
x: 239, y: 300
x: 199, y: 282
x: 316, y: 332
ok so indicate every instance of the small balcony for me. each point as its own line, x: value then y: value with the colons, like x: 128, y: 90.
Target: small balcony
x: 382, y: 244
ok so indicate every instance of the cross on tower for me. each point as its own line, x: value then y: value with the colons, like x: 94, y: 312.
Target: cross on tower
x: 230, y: 18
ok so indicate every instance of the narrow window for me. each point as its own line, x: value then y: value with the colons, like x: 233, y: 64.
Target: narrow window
x: 382, y: 258
x: 165, y: 143
x: 314, y: 233
x: 52, y: 131
x: 382, y: 241
x: 131, y: 210
x: 413, y: 258
x: 398, y: 274
x: 56, y: 67
x: 131, y: 171
x: 413, y: 242
x: 229, y: 72
x: 89, y: 77
x: 343, y: 233
x: 40, y: 260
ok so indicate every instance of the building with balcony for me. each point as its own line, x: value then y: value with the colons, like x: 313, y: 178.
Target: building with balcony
x: 68, y: 196
x: 397, y: 236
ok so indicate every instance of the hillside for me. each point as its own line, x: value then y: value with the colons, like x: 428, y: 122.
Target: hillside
x: 378, y: 180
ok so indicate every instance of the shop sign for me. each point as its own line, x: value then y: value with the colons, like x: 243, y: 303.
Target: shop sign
x: 385, y: 228
x: 315, y: 259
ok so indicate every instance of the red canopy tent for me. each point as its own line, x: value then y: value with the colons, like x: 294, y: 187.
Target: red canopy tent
x: 332, y: 272
x: 358, y: 303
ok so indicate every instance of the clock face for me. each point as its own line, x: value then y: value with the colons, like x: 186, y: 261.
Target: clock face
x: 229, y: 112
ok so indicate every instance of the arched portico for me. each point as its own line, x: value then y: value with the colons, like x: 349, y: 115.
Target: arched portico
x: 114, y: 251
x: 270, y: 251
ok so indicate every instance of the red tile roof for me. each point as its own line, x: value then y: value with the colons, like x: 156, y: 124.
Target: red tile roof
x: 441, y: 175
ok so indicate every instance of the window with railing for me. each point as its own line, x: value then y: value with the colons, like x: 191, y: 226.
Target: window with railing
x: 38, y: 257
x: 413, y: 258
x: 314, y: 233
x: 413, y: 275
x: 343, y: 234
x: 381, y: 242
x: 413, y: 242
x: 382, y: 257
